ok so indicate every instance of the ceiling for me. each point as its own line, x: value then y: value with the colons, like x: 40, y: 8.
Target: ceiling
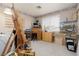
x: 31, y: 8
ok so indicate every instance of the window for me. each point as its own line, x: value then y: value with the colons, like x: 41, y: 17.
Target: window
x: 51, y: 23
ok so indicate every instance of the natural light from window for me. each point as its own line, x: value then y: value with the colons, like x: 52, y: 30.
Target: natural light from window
x: 51, y: 23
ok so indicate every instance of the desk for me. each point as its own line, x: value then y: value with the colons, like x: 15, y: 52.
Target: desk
x: 38, y: 31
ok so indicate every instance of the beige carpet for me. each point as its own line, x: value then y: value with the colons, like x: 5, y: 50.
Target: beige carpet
x: 42, y: 48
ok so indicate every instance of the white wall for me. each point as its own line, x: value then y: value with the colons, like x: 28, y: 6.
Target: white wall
x: 28, y: 20
x: 53, y: 16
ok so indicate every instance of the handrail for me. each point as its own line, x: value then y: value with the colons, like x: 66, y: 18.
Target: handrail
x: 6, y: 48
x: 11, y: 44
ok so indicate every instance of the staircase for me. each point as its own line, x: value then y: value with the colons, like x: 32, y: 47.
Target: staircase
x: 5, y: 31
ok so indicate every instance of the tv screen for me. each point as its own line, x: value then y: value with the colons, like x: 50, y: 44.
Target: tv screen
x: 35, y: 24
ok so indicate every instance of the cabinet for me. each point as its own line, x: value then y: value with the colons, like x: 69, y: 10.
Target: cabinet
x: 48, y: 36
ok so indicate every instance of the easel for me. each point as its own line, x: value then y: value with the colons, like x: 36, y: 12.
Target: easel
x: 20, y: 34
